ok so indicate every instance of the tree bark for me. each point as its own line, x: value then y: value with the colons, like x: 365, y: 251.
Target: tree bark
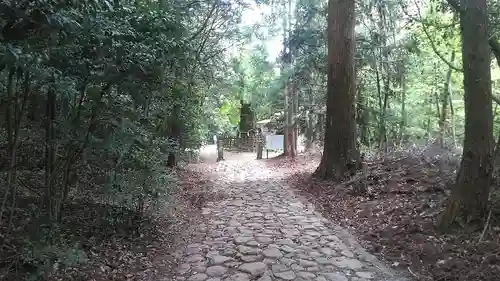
x: 247, y: 117
x: 50, y: 153
x: 362, y: 116
x: 319, y: 129
x: 294, y: 102
x: 294, y: 120
x: 403, y: 122
x: 174, y: 136
x: 381, y: 124
x: 310, y: 131
x: 12, y: 138
x: 284, y: 67
x: 452, y: 117
x: 286, y: 125
x: 443, y: 128
x: 468, y: 202
x: 291, y: 121
x: 340, y: 135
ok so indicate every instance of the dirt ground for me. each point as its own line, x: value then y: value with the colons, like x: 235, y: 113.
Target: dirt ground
x: 397, y: 220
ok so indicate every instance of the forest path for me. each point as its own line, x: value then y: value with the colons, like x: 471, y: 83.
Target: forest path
x: 263, y: 231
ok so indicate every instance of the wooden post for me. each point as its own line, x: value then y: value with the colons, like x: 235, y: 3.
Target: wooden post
x: 260, y: 148
x: 260, y: 143
x: 220, y: 149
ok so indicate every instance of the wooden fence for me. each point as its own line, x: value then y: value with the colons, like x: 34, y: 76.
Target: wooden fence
x: 238, y: 144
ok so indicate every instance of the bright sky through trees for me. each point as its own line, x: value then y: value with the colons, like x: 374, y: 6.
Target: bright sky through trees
x: 256, y: 15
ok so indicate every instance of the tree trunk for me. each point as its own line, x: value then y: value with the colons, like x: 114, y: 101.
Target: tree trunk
x: 286, y: 125
x: 468, y: 202
x: 381, y: 124
x: 247, y: 117
x: 362, y: 116
x: 310, y: 130
x: 310, y: 117
x: 383, y: 129
x: 50, y: 154
x: 319, y: 129
x: 443, y: 128
x: 292, y: 142
x: 340, y: 135
x: 294, y: 101
x: 174, y: 136
x: 402, y: 123
x: 12, y: 126
x: 452, y: 118
x: 287, y: 117
x: 295, y: 121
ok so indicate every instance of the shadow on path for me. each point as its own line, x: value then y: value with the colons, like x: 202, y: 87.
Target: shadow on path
x: 263, y: 231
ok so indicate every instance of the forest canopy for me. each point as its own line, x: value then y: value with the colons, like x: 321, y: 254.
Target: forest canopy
x: 102, y: 101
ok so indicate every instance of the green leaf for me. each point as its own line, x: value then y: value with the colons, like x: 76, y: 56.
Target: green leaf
x: 10, y: 56
x: 94, y: 93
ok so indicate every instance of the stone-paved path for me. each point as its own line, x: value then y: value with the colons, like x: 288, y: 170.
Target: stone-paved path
x: 262, y: 231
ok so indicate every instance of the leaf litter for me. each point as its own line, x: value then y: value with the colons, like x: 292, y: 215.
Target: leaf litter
x: 127, y: 248
x: 396, y: 217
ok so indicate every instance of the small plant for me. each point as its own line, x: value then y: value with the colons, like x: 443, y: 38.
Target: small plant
x: 40, y: 258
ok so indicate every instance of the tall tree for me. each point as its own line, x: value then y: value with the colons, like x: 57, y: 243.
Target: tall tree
x: 468, y: 202
x: 340, y: 134
x: 288, y: 140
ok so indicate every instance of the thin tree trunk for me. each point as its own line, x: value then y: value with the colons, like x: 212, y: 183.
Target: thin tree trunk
x: 174, y: 135
x: 319, y: 130
x: 286, y: 139
x: 12, y: 124
x: 381, y: 105
x: 9, y: 123
x: 73, y: 153
x: 310, y: 130
x: 385, y: 67
x: 361, y: 114
x: 310, y: 136
x: 383, y: 128
x: 17, y: 126
x: 294, y: 93
x: 284, y: 67
x: 445, y: 99
x: 291, y: 123
x: 402, y: 124
x: 428, y: 129
x: 452, y: 118
x: 49, y: 152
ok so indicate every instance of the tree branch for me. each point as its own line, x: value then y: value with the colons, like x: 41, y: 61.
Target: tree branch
x: 496, y: 99
x: 493, y: 42
x: 433, y: 45
x: 435, y: 24
x: 205, y: 23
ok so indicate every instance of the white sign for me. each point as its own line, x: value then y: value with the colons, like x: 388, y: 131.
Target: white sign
x: 274, y: 142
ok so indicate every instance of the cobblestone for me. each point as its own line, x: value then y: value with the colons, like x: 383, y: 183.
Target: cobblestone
x: 262, y: 231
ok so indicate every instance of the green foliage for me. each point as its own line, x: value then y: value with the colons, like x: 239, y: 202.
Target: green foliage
x: 104, y: 91
x: 42, y: 257
x: 402, y: 52
x: 95, y: 95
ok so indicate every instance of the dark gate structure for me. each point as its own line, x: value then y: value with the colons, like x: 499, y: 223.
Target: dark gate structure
x: 246, y: 142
